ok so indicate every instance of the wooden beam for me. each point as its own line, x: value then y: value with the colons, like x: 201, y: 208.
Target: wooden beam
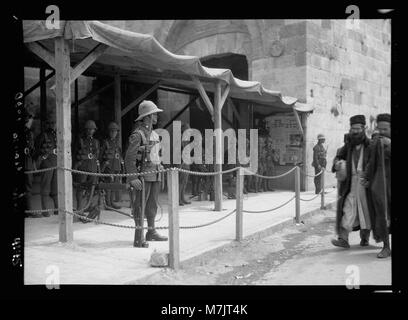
x: 90, y: 58
x: 43, y: 98
x: 42, y: 52
x: 235, y: 110
x: 204, y: 95
x: 173, y: 196
x: 140, y: 99
x: 218, y: 147
x: 86, y: 62
x: 118, y: 105
x: 38, y: 84
x: 76, y: 104
x: 298, y: 119
x: 94, y: 93
x: 225, y: 95
x: 63, y: 105
x: 239, y: 204
x: 181, y: 111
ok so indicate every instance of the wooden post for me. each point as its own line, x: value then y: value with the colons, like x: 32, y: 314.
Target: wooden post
x: 239, y: 205
x: 322, y: 206
x: 118, y: 105
x: 173, y: 195
x: 218, y: 147
x: 43, y: 98
x: 118, y: 118
x: 63, y: 105
x: 76, y: 106
x: 297, y: 192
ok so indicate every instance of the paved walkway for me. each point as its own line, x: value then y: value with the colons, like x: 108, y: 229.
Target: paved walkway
x: 103, y: 254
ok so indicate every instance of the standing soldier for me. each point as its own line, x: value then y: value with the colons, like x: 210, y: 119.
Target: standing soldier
x: 183, y: 176
x: 29, y: 164
x: 46, y: 144
x: 319, y: 161
x: 261, y: 182
x: 111, y: 160
x: 139, y: 158
x: 87, y: 155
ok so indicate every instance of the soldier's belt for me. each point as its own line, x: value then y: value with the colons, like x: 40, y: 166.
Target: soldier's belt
x: 54, y: 151
x: 27, y: 151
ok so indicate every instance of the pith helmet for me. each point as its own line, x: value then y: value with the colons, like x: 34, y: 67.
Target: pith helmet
x: 113, y: 126
x: 320, y: 136
x: 147, y: 107
x: 90, y: 124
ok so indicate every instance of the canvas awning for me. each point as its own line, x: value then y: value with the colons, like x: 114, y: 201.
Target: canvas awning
x: 141, y: 56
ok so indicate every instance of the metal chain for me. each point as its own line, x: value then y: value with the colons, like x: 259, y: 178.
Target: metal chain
x: 318, y: 195
x: 273, y: 209
x: 270, y: 177
x: 209, y: 223
x: 312, y: 176
x: 40, y: 170
x: 199, y: 173
x: 40, y: 211
x: 96, y: 221
x: 135, y: 173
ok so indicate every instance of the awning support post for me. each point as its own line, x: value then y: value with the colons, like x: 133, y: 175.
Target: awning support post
x: 218, y: 147
x: 63, y: 106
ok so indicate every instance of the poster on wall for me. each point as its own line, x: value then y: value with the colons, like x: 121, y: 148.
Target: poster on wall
x: 286, y: 138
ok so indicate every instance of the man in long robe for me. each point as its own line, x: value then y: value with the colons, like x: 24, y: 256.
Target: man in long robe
x: 377, y: 179
x: 352, y: 205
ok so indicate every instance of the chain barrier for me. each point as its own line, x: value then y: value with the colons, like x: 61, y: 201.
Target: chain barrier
x: 270, y: 177
x: 40, y: 170
x: 273, y: 209
x: 311, y: 175
x: 56, y: 209
x: 97, y: 221
x: 135, y: 173
x: 318, y: 195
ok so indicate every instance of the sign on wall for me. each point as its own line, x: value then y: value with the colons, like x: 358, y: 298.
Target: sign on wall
x: 286, y: 138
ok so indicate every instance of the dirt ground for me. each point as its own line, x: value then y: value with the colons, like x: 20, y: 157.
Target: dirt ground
x: 296, y: 255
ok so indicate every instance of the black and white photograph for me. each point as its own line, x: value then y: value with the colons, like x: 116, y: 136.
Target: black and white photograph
x: 204, y: 152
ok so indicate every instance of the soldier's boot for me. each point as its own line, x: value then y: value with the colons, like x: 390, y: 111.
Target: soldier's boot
x: 386, y: 250
x: 112, y: 204
x: 139, y: 241
x: 45, y: 205
x: 184, y: 199
x: 152, y: 234
x: 55, y: 199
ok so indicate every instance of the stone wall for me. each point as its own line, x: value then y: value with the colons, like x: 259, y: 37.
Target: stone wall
x: 348, y: 73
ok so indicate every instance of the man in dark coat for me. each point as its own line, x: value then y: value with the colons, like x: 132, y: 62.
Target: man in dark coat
x: 377, y: 179
x: 352, y: 205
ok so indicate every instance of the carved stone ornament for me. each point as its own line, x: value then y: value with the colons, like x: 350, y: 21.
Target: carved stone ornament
x: 276, y: 48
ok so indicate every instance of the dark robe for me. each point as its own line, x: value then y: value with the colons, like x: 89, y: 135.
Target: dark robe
x: 345, y: 153
x: 378, y: 174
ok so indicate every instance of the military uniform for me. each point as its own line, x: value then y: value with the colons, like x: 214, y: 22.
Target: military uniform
x: 111, y: 161
x: 87, y: 155
x: 260, y: 182
x: 29, y: 165
x: 139, y: 159
x: 47, y: 152
x: 319, y: 163
x: 183, y: 176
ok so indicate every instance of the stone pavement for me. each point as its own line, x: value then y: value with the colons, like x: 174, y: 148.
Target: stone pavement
x: 102, y: 254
